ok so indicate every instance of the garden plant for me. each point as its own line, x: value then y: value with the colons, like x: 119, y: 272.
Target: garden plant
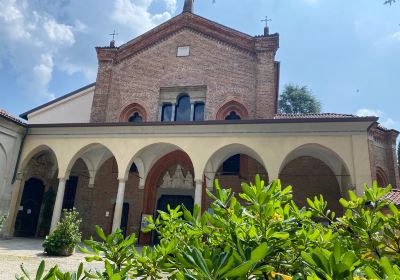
x: 2, y: 220
x: 262, y: 235
x: 63, y: 240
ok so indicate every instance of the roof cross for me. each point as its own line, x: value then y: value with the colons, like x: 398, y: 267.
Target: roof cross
x: 266, y: 20
x: 113, y: 35
x: 266, y: 28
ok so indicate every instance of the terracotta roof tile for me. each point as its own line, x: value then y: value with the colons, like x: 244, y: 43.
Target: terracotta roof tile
x: 316, y: 116
x: 6, y: 115
x: 393, y: 197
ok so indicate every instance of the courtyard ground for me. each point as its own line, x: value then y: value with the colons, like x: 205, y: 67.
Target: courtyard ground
x: 15, y: 251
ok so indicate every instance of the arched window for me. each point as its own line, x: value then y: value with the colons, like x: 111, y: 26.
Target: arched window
x: 134, y: 112
x: 232, y: 110
x: 136, y: 117
x: 381, y: 178
x: 199, y: 111
x: 166, y: 113
x: 232, y: 116
x: 183, y: 109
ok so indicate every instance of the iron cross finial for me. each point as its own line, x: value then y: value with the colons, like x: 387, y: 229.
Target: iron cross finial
x: 266, y: 20
x: 113, y: 35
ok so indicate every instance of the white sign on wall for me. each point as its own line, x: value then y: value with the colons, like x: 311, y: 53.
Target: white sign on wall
x: 183, y: 51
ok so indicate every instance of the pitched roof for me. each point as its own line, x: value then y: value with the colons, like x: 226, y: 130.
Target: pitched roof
x: 196, y: 23
x: 393, y: 197
x: 319, y: 116
x: 25, y: 115
x: 6, y: 115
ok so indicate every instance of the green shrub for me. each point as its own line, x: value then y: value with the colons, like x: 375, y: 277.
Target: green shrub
x: 266, y: 237
x: 2, y: 220
x: 63, y: 240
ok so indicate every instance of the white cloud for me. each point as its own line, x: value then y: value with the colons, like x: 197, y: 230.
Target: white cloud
x: 383, y: 119
x: 32, y: 43
x: 368, y: 112
x: 389, y: 123
x: 171, y: 5
x: 41, y: 39
x: 136, y: 15
x: 43, y: 73
x: 396, y: 36
x: 13, y: 19
x: 59, y: 32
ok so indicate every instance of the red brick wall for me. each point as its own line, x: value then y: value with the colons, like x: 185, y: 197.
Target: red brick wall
x: 311, y: 177
x: 382, y: 153
x: 92, y: 203
x: 228, y: 72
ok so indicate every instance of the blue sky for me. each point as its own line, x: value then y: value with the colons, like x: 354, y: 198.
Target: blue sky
x: 346, y: 51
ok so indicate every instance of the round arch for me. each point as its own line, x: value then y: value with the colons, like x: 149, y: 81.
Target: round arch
x: 224, y: 153
x: 318, y: 151
x: 232, y: 106
x: 157, y: 170
x: 93, y: 155
x: 147, y: 156
x: 34, y: 151
x: 130, y: 110
x: 313, y: 169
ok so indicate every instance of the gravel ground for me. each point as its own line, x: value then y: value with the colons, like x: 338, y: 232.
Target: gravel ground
x: 14, y: 252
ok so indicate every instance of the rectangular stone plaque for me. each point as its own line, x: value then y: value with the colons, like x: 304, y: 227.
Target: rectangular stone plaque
x: 183, y: 51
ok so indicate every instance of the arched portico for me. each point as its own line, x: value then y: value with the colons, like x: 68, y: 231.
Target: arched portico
x: 170, y: 181
x: 224, y: 153
x: 36, y: 176
x: 313, y: 169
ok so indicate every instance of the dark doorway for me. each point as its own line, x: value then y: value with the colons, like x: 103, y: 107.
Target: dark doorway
x: 173, y: 201
x: 124, y: 218
x: 28, y: 214
x: 70, y: 192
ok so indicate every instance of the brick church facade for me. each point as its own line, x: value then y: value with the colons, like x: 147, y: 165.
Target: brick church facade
x: 172, y: 110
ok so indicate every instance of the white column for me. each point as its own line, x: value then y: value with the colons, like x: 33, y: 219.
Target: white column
x: 58, y: 204
x: 119, y: 204
x: 192, y: 111
x: 198, y: 192
x: 173, y: 112
x: 160, y: 113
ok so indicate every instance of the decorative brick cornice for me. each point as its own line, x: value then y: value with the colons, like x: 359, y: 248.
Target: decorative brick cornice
x: 196, y: 23
x: 383, y: 135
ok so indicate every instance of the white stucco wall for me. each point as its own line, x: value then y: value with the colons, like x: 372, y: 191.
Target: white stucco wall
x: 10, y: 140
x: 73, y: 109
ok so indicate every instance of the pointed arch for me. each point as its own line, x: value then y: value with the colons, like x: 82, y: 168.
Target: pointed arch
x: 230, y: 108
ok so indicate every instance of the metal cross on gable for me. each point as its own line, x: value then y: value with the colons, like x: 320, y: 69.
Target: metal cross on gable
x: 113, y: 35
x: 266, y: 20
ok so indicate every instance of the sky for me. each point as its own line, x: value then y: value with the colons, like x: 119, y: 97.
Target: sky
x: 347, y: 52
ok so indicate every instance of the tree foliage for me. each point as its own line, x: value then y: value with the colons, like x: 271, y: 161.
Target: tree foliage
x: 298, y: 100
x: 266, y: 236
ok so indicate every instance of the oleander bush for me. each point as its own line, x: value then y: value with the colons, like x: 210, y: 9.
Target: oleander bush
x: 266, y: 236
x: 63, y: 240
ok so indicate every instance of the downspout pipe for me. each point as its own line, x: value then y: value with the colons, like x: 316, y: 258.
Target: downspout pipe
x: 19, y: 154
